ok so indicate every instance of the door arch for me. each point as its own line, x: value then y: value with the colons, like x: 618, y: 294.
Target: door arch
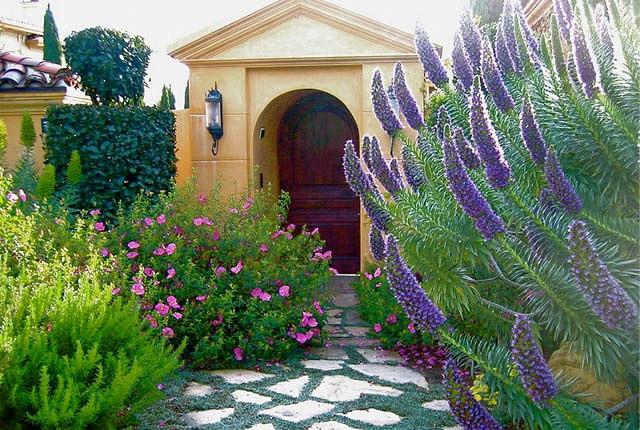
x: 311, y: 137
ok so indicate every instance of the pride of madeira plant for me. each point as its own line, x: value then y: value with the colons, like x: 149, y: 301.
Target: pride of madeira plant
x: 528, y: 183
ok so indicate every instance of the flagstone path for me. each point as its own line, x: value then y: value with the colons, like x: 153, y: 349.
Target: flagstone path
x: 350, y: 383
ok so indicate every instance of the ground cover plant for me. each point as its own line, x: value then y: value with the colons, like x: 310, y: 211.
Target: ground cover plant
x: 225, y: 276
x: 526, y: 185
x: 71, y: 354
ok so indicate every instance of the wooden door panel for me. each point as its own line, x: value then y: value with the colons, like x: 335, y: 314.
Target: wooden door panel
x: 312, y: 135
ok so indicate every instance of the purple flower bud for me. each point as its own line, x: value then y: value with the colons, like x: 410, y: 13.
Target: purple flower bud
x: 412, y: 170
x: 410, y: 295
x: 583, y: 60
x: 486, y: 140
x: 564, y: 17
x: 604, y: 32
x: 601, y: 290
x: 407, y: 103
x: 430, y: 59
x: 395, y: 169
x: 470, y: 199
x: 535, y: 375
x: 374, y: 206
x: 377, y: 244
x: 530, y: 132
x: 366, y: 151
x: 509, y: 34
x: 381, y: 170
x: 559, y: 185
x: 471, y: 38
x: 443, y: 119
x: 356, y: 178
x: 493, y: 79
x: 461, y: 64
x: 467, y: 411
x: 382, y: 106
x: 533, y: 47
x: 466, y: 151
x: 502, y: 53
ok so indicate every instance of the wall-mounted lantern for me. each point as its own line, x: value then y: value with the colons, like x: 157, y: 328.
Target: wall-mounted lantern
x: 213, y: 113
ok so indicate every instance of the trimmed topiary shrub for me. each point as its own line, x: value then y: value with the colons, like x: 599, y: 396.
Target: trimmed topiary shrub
x: 124, y: 151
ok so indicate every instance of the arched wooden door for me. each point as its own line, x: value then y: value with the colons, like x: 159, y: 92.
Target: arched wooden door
x: 311, y: 136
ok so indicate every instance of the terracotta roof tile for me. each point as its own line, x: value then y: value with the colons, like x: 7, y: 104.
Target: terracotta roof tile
x: 18, y: 72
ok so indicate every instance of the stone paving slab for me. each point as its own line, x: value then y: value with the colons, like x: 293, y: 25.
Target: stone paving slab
x: 297, y: 412
x: 394, y: 374
x: 373, y: 416
x: 291, y: 388
x: 331, y: 425
x: 339, y: 388
x: 325, y: 365
x: 240, y: 376
x: 211, y: 416
x: 380, y: 355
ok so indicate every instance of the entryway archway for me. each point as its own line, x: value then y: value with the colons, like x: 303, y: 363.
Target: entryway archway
x: 312, y: 128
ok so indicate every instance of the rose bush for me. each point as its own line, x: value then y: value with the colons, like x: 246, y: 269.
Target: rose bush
x: 226, y: 277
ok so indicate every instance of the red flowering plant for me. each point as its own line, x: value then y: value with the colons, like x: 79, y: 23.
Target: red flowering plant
x: 227, y: 276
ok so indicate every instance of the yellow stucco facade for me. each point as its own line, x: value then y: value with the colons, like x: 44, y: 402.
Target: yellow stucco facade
x: 262, y: 64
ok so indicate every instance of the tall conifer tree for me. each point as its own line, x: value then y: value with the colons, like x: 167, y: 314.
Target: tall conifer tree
x: 52, y: 47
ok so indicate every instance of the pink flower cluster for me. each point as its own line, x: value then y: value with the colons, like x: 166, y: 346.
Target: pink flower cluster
x: 257, y: 293
x: 14, y: 198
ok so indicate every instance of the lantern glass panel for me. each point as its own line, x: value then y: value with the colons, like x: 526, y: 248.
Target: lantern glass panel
x: 212, y: 109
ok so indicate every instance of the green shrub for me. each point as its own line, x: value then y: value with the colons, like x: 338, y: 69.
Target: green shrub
x: 124, y: 151
x: 46, y: 183
x: 112, y: 65
x: 71, y: 354
x: 74, y: 169
x: 4, y: 141
x: 226, y: 278
x: 25, y: 176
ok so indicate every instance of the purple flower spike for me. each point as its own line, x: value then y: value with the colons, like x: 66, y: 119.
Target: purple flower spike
x: 509, y: 34
x: 467, y: 411
x: 424, y: 314
x: 502, y: 53
x: 461, y: 64
x: 604, y: 31
x: 535, y: 375
x: 395, y: 169
x: 356, y: 178
x: 443, y: 119
x: 366, y: 152
x: 377, y: 244
x: 559, y: 185
x: 493, y: 79
x: 412, y: 170
x: 533, y: 47
x: 472, y: 39
x: 430, y: 59
x: 382, y: 107
x: 486, y: 140
x: 531, y: 135
x: 467, y: 152
x: 407, y: 103
x: 564, y: 17
x: 583, y: 60
x: 602, y: 291
x: 470, y: 199
x: 381, y: 170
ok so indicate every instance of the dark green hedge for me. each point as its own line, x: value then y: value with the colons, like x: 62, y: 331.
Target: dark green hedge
x: 124, y: 150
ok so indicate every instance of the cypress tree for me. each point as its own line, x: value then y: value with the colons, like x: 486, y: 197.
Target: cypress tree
x: 172, y: 98
x: 27, y: 131
x: 186, y: 96
x: 52, y: 47
x: 25, y: 176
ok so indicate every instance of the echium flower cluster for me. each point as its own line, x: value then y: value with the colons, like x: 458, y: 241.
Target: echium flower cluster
x: 535, y: 375
x: 564, y: 17
x: 608, y: 299
x: 382, y: 106
x: 430, y: 59
x: 531, y: 134
x: 466, y: 151
x: 502, y: 53
x: 467, y: 411
x: 461, y: 63
x: 559, y: 185
x: 509, y: 34
x: 470, y: 199
x: 424, y: 314
x: 486, y: 140
x: 377, y: 244
x: 493, y: 79
x: 604, y: 32
x: 583, y: 60
x: 472, y: 39
x: 380, y: 169
x: 533, y: 47
x: 443, y: 119
x: 406, y: 101
x: 412, y: 170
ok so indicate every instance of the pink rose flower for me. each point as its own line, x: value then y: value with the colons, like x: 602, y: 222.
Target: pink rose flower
x: 238, y: 353
x: 392, y: 319
x: 104, y: 252
x: 99, y: 226
x: 377, y: 327
x: 158, y: 251
x: 197, y: 221
x: 220, y: 271
x: 148, y: 221
x: 377, y: 273
x: 173, y: 302
x: 284, y: 291
x: 237, y: 268
x: 161, y: 219
x: 168, y: 332
x: 177, y: 315
x: 95, y: 212
x: 131, y: 255
x: 316, y: 304
x: 152, y: 322
x: 277, y: 234
x: 255, y: 293
x: 217, y: 321
x: 368, y: 275
x: 170, y: 249
x: 201, y: 298
x: 308, y: 320
x: 162, y: 309
x: 265, y: 297
x: 216, y: 235
x: 291, y: 228
x: 148, y: 272
x: 12, y: 197
x: 21, y: 195
x: 115, y: 292
x: 264, y: 248
x: 137, y: 289
x: 133, y: 245
x: 171, y: 272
